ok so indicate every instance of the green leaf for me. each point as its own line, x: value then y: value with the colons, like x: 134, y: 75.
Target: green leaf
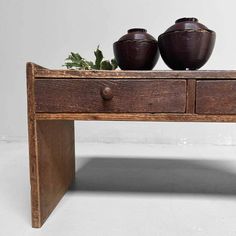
x: 99, y: 56
x: 76, y: 61
x: 90, y: 63
x: 114, y: 64
x: 106, y: 65
x: 70, y: 65
x: 76, y: 56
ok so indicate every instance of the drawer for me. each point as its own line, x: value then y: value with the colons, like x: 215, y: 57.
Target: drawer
x: 216, y: 97
x: 110, y: 95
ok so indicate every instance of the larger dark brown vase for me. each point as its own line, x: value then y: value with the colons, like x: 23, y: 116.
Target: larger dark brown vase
x: 136, y: 50
x: 186, y: 45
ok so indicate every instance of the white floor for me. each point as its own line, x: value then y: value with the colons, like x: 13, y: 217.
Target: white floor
x: 129, y: 189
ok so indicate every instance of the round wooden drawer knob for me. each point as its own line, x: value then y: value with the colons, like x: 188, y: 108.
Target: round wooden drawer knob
x: 106, y: 93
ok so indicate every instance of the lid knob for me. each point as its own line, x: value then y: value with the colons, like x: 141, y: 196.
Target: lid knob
x: 137, y: 30
x: 192, y: 19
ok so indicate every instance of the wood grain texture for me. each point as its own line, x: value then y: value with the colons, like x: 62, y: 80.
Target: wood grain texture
x: 137, y: 117
x: 33, y: 157
x: 83, y: 95
x: 167, y: 74
x: 51, y: 157
x: 58, y: 97
x: 216, y: 97
x: 56, y: 163
x: 191, y: 96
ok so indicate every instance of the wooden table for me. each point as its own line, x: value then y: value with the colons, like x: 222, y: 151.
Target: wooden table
x: 58, y: 97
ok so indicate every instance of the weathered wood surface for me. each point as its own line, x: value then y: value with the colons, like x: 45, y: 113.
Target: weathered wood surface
x: 56, y: 163
x: 51, y: 156
x: 216, y: 97
x: 167, y: 74
x: 137, y: 117
x: 62, y: 96
x: 128, y: 95
x: 33, y: 157
x: 191, y: 96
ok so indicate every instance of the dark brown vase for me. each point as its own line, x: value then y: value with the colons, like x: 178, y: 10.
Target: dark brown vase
x: 187, y: 44
x: 136, y: 50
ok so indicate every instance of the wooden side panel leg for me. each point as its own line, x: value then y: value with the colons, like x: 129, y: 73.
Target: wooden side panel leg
x: 52, y: 157
x: 52, y: 166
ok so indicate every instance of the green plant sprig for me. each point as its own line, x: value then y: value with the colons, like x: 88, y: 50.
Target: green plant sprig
x: 75, y: 61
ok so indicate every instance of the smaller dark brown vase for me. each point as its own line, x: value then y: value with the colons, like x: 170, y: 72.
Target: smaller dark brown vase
x: 187, y: 44
x: 136, y: 50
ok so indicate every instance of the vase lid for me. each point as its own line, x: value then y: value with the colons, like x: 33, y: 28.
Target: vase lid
x: 186, y: 23
x: 137, y: 34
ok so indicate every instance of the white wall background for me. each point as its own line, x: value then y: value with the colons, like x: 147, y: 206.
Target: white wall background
x: 45, y: 32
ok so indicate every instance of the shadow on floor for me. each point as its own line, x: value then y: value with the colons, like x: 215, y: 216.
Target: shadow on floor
x: 155, y: 176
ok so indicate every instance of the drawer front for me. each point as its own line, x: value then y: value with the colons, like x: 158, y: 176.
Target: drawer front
x: 216, y: 97
x: 110, y: 95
